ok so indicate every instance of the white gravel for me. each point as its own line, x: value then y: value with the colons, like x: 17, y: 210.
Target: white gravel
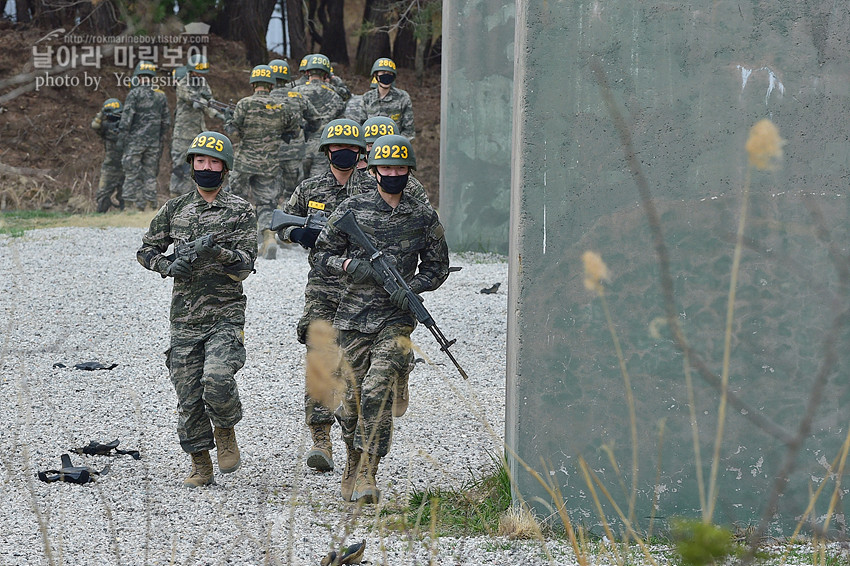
x: 76, y: 295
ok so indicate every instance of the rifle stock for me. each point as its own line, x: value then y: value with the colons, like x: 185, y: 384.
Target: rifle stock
x: 392, y: 281
x: 280, y: 219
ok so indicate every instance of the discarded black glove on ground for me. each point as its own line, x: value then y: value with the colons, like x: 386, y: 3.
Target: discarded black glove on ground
x: 69, y: 473
x: 353, y: 554
x: 97, y: 449
x: 89, y: 366
x: 490, y: 290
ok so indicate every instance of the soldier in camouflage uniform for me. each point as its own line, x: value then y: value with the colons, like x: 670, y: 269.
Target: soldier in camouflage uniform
x: 144, y: 126
x: 263, y: 123
x: 105, y: 123
x: 326, y: 101
x: 342, y: 143
x: 292, y: 153
x: 387, y: 100
x: 214, y: 232
x: 374, y: 327
x: 339, y: 86
x: 193, y: 96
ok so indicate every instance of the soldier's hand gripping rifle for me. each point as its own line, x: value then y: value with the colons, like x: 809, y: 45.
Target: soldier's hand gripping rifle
x: 223, y: 108
x: 310, y: 225
x: 393, y: 281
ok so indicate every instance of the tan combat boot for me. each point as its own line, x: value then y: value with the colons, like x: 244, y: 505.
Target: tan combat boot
x: 349, y: 475
x: 365, y: 489
x: 320, y: 456
x: 226, y: 450
x: 202, y: 470
x: 268, y: 249
x: 401, y: 394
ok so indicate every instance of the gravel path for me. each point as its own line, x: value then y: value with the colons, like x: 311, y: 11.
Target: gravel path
x: 76, y: 295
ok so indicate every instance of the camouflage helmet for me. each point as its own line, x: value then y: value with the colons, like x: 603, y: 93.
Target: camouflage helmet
x: 318, y: 62
x: 383, y: 64
x: 302, y: 64
x: 342, y: 131
x: 112, y: 107
x: 213, y: 144
x: 145, y: 68
x: 392, y: 150
x: 374, y: 82
x: 198, y: 63
x: 378, y: 126
x: 280, y: 69
x: 179, y: 72
x: 262, y: 74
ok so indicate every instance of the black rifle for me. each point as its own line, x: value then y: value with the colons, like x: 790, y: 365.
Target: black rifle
x: 223, y: 107
x: 392, y: 281
x: 314, y: 220
x: 187, y: 249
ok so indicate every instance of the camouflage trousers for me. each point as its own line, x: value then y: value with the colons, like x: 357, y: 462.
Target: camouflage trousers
x: 141, y: 164
x: 261, y: 190
x: 376, y: 360
x: 291, y: 173
x: 111, y: 181
x: 181, y: 171
x: 203, y: 362
x: 315, y: 412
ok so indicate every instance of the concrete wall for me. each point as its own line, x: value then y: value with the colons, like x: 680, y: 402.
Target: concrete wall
x: 690, y: 79
x: 475, y: 126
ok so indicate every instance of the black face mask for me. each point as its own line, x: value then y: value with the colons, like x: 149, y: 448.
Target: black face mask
x: 208, y: 180
x: 393, y: 185
x: 344, y: 159
x: 386, y: 79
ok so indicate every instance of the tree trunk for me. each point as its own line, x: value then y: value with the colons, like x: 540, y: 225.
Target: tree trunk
x: 246, y: 20
x: 295, y: 23
x: 375, y: 41
x: 404, y: 48
x: 23, y: 11
x: 331, y: 14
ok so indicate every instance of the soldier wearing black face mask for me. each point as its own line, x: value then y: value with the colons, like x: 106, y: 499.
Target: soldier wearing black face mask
x: 341, y: 145
x: 387, y: 100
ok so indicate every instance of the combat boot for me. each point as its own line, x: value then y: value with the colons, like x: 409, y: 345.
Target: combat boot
x: 365, y: 488
x: 226, y: 450
x: 320, y: 456
x: 401, y: 394
x: 268, y: 248
x: 349, y: 475
x: 202, y: 470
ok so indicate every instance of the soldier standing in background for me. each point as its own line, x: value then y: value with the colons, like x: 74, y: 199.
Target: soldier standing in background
x: 105, y: 123
x: 144, y: 126
x: 326, y: 101
x: 387, y: 100
x: 342, y: 143
x: 374, y: 327
x: 292, y: 153
x: 262, y: 123
x: 193, y: 96
x: 214, y: 233
x: 339, y: 86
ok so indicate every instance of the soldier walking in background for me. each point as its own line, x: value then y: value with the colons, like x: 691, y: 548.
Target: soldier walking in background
x: 106, y: 123
x: 387, y: 100
x: 292, y: 153
x: 144, y: 126
x: 214, y: 234
x: 342, y: 143
x: 326, y: 101
x: 263, y: 123
x: 374, y: 327
x: 193, y: 96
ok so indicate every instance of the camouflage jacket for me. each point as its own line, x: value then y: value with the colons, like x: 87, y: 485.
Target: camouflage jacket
x: 310, y: 121
x: 145, y: 119
x: 339, y: 87
x: 396, y: 105
x: 261, y: 121
x: 210, y: 294
x: 109, y: 131
x: 410, y: 234
x: 188, y: 120
x: 327, y: 103
x: 323, y: 193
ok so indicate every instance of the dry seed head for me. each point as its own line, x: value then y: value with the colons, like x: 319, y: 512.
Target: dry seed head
x: 595, y: 271
x: 764, y: 146
x: 325, y: 380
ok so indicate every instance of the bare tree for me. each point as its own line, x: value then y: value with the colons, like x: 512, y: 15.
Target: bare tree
x: 294, y: 10
x: 327, y: 28
x: 246, y: 20
x: 374, y: 34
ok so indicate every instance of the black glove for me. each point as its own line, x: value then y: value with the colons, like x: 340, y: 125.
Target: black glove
x: 361, y: 271
x: 401, y: 299
x: 305, y: 236
x: 206, y: 248
x: 180, y: 268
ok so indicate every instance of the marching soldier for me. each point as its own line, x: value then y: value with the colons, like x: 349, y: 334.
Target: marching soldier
x: 106, y: 123
x: 326, y: 101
